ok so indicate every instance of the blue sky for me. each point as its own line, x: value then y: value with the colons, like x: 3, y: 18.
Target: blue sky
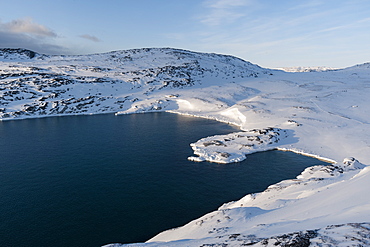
x: 269, y: 33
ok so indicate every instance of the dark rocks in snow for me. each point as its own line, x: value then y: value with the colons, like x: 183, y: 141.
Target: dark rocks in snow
x: 225, y: 155
x: 294, y: 122
x: 351, y: 234
x: 299, y: 239
x: 214, y: 142
x: 351, y: 163
x: 11, y: 53
x: 54, y: 79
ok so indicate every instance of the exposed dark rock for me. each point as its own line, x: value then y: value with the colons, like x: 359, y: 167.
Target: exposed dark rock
x: 214, y: 142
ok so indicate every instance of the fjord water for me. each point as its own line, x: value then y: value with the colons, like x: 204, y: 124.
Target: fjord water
x: 93, y: 180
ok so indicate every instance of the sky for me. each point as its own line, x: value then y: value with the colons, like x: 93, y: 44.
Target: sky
x: 270, y: 33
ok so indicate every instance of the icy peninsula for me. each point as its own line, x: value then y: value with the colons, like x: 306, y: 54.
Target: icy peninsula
x: 321, y: 113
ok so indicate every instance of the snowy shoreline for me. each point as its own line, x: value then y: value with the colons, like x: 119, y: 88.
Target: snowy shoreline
x: 184, y: 114
x: 301, y: 152
x: 323, y: 115
x: 316, y: 235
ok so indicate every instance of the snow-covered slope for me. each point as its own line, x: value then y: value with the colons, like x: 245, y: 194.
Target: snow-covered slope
x: 39, y: 85
x: 324, y: 114
x: 320, y: 196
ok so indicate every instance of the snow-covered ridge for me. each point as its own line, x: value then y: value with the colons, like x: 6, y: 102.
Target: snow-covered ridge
x: 322, y: 114
x: 35, y: 85
x: 16, y: 54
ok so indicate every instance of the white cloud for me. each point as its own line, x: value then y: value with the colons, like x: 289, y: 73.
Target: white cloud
x: 306, y: 5
x: 358, y: 23
x: 89, y: 37
x: 222, y: 4
x: 19, y: 40
x: 27, y: 26
x: 24, y: 33
x: 224, y: 11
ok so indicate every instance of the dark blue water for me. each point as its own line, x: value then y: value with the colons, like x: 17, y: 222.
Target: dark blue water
x: 93, y: 180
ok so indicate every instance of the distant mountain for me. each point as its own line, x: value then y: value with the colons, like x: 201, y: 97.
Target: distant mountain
x: 33, y: 84
x: 11, y: 54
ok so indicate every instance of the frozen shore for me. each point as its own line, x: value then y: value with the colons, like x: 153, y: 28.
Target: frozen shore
x: 322, y: 114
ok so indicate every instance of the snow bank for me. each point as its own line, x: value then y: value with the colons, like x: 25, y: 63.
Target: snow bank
x: 322, y: 114
x: 334, y: 193
x: 234, y: 147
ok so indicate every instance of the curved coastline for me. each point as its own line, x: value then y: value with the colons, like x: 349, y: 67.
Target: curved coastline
x: 227, y: 205
x: 301, y: 152
x: 326, y: 112
x: 171, y: 237
x: 294, y: 150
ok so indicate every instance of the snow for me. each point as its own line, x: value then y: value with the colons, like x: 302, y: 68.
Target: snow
x: 234, y: 147
x: 323, y: 114
x: 307, y: 69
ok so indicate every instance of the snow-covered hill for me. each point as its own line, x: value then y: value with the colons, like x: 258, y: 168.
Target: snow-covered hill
x: 323, y: 114
x: 39, y: 85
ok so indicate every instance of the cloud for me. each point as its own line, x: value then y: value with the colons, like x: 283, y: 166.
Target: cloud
x: 27, y: 26
x: 349, y: 25
x: 24, y: 33
x: 222, y: 4
x: 90, y: 37
x: 18, y: 40
x: 306, y: 5
x: 224, y: 11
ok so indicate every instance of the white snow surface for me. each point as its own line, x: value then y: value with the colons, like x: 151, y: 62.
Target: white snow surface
x: 306, y: 69
x: 324, y: 114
